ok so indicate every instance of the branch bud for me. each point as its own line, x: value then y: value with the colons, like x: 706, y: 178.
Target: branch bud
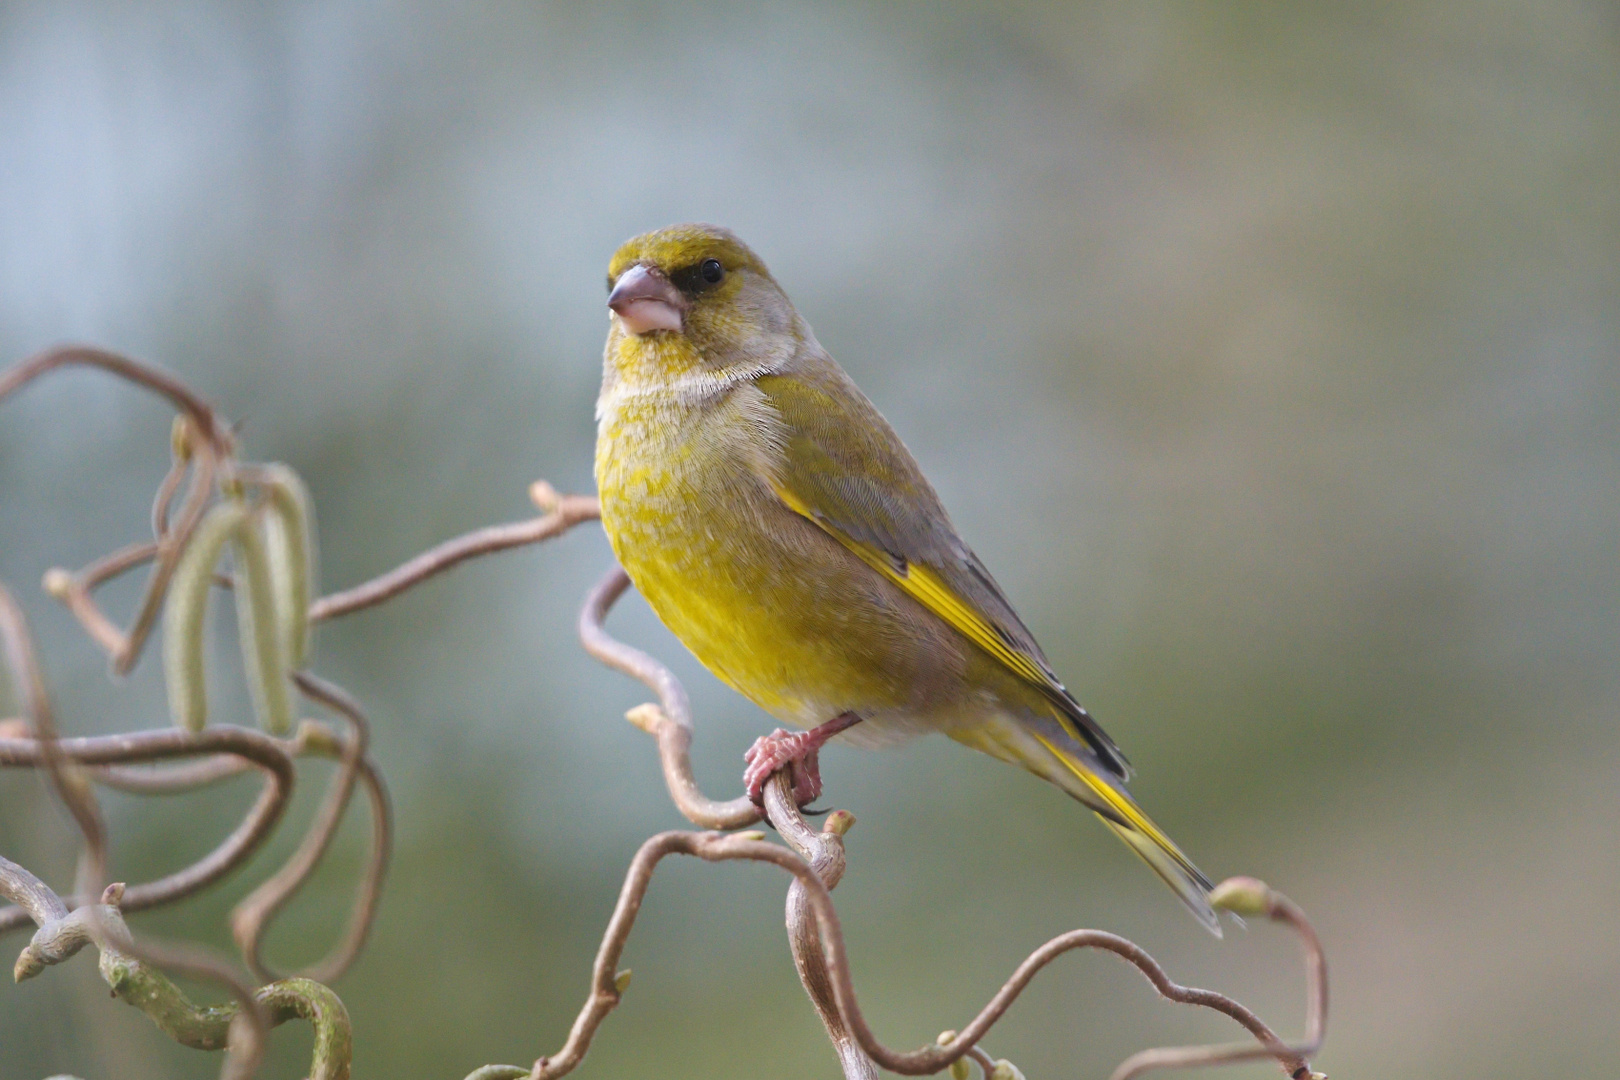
x: 959, y: 1067
x: 544, y: 496
x: 751, y: 834
x: 647, y: 717
x: 57, y: 582
x: 180, y: 438
x: 28, y: 964
x: 621, y: 981
x: 1242, y: 896
x: 839, y: 822
x: 314, y: 735
x: 1006, y: 1070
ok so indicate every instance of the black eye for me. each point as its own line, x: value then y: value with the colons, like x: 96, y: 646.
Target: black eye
x: 695, y: 279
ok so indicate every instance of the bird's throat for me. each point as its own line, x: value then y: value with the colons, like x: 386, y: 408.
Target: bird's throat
x: 650, y: 359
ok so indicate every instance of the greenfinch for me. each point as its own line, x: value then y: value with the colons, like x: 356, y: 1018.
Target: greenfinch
x: 777, y: 525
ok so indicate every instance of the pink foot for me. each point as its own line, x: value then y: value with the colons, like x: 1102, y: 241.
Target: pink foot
x: 798, y: 749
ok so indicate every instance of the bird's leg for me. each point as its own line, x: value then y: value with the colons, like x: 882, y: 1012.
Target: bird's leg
x: 799, y: 749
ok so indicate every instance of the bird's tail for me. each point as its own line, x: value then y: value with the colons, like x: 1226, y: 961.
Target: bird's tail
x: 1080, y: 776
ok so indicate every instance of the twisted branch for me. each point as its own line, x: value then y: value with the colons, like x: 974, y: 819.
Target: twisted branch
x: 17, y: 646
x: 1247, y: 896
x: 561, y: 513
x: 824, y: 851
x: 200, y: 438
x: 204, y: 450
x: 670, y: 722
x: 62, y: 934
x: 102, y: 922
x: 74, y: 589
x: 607, y: 983
x: 162, y: 744
x: 818, y: 931
x: 252, y: 915
x: 153, y: 378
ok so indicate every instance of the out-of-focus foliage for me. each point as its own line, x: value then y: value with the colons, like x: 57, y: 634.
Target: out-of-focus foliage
x: 1267, y: 353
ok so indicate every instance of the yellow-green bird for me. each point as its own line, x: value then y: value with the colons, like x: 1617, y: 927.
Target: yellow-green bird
x: 778, y: 526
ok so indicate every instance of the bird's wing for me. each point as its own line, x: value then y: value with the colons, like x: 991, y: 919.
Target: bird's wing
x: 845, y: 469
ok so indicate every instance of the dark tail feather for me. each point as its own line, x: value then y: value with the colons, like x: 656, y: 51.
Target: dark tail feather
x: 1120, y: 813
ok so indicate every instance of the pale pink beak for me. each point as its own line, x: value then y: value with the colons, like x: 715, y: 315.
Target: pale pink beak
x: 644, y: 300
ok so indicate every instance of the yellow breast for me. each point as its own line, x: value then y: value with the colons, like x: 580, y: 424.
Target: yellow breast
x: 769, y: 603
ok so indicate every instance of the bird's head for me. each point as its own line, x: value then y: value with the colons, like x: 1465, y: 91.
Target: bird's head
x: 695, y: 295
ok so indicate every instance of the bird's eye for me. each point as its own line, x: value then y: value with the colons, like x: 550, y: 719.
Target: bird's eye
x: 695, y: 279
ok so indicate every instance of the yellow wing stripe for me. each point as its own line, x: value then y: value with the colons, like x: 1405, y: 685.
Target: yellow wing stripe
x: 1122, y: 808
x: 926, y: 587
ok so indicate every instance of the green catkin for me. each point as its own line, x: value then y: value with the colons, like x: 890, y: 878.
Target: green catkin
x: 290, y: 543
x: 185, y: 613
x: 260, y: 629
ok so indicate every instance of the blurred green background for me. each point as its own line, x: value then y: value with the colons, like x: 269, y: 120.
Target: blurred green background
x: 1266, y: 352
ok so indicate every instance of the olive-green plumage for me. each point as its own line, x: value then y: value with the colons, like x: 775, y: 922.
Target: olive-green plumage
x: 778, y: 526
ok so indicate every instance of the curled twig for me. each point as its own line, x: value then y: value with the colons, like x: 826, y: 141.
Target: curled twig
x: 163, y: 744
x: 103, y: 921
x: 670, y: 722
x: 40, y: 901
x: 130, y: 968
x: 250, y: 920
x: 74, y: 591
x: 273, y: 603
x: 179, y: 464
x: 17, y: 645
x: 152, y: 378
x: 274, y: 579
x: 251, y: 917
x: 825, y: 976
x: 1249, y: 897
x: 783, y: 814
x: 824, y: 851
x: 171, y: 779
x: 203, y: 436
x: 562, y: 512
x: 171, y: 546
x: 931, y: 1058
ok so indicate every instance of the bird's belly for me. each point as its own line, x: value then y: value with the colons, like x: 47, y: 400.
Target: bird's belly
x: 778, y: 610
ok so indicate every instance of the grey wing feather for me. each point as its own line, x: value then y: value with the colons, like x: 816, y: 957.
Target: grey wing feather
x: 865, y: 483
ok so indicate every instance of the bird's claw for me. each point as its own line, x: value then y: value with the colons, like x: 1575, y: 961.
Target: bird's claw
x: 798, y: 750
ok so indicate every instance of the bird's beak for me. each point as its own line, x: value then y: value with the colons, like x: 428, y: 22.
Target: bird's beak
x: 644, y: 300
